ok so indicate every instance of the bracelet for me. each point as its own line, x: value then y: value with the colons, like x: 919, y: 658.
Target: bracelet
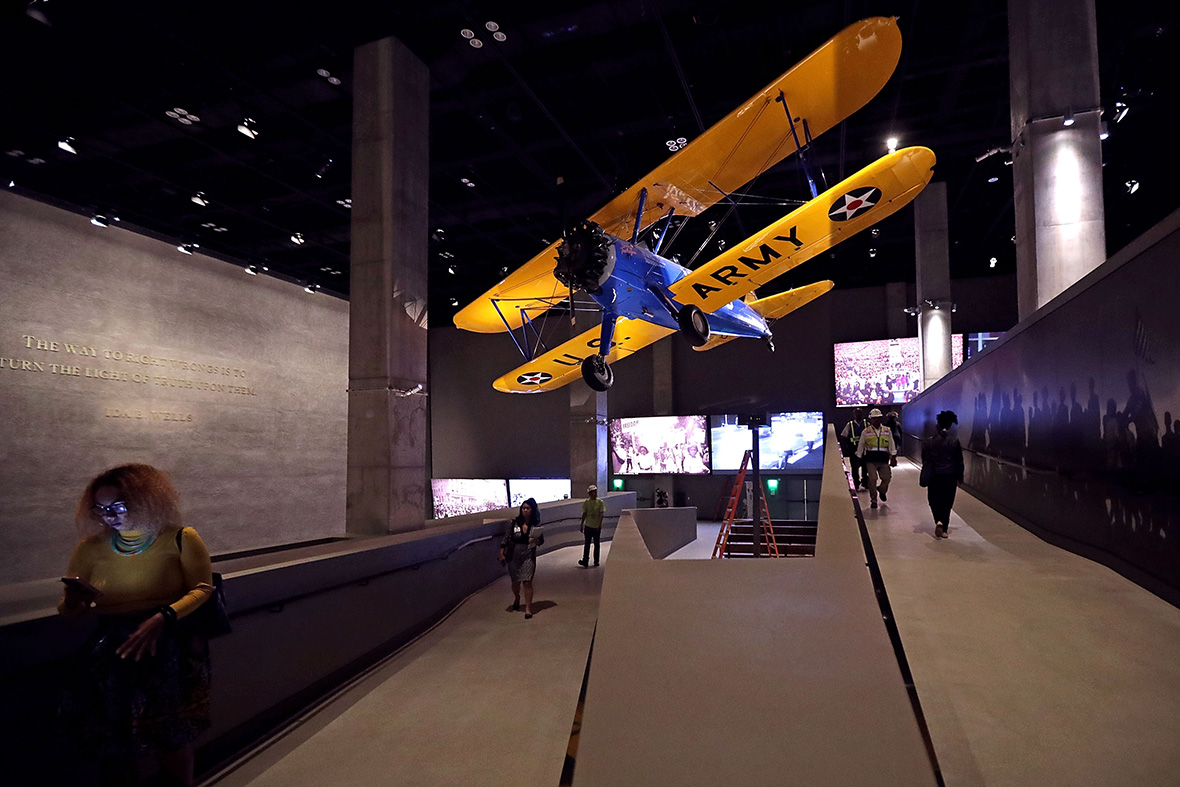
x: 169, y: 614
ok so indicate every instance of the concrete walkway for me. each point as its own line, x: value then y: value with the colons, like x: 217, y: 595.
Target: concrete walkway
x: 485, y: 698
x: 1034, y: 666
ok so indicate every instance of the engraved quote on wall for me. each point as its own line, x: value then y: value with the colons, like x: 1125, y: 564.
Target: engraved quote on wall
x: 41, y: 355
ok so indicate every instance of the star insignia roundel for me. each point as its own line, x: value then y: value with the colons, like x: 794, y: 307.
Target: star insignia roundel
x: 854, y: 203
x: 534, y: 378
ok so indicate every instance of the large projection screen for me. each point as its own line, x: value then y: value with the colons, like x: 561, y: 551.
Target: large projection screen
x: 543, y: 490
x: 660, y: 444
x: 458, y: 496
x: 788, y: 442
x: 886, y: 371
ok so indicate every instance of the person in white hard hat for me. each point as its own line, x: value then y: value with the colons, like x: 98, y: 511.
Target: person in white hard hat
x: 879, y: 452
x: 593, y: 509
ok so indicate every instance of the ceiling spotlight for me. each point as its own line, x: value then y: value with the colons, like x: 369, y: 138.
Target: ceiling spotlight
x: 99, y: 220
x: 298, y: 239
x: 1132, y: 186
x: 199, y: 198
x: 1067, y: 120
x: 992, y: 262
x: 872, y: 252
x: 323, y: 170
x: 468, y: 34
x: 992, y: 179
x: 1120, y: 111
x: 333, y: 81
x: 470, y: 185
x: 451, y: 269
x: 499, y: 36
x: 475, y: 42
x: 875, y: 232
x: 15, y: 153
x: 891, y: 143
x: 345, y: 203
x: 310, y: 288
x: 11, y: 183
x: 325, y: 73
x: 492, y: 27
x: 67, y: 145
x: 182, y: 116
x: 1103, y: 130
x: 36, y: 160
x: 248, y: 127
x: 186, y: 248
x: 454, y: 301
x: 504, y: 270
x: 252, y: 270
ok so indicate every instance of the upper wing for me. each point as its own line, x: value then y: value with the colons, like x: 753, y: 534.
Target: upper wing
x: 776, y: 306
x: 850, y: 206
x: 824, y: 88
x: 531, y: 287
x: 827, y: 86
x: 563, y: 364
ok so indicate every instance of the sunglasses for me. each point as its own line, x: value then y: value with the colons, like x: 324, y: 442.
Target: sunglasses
x: 114, y: 509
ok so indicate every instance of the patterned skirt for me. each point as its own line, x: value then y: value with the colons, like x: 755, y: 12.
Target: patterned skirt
x: 121, y: 708
x: 523, y: 564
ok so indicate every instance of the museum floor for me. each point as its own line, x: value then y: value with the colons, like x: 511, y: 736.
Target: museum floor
x: 1033, y: 666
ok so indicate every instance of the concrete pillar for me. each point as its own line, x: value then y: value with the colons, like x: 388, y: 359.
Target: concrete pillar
x: 588, y: 429
x: 1057, y: 169
x: 661, y: 400
x: 388, y: 463
x: 932, y: 254
x: 896, y: 320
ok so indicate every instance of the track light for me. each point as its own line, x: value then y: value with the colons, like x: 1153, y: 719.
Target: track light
x: 67, y: 145
x: 252, y: 270
x: 248, y: 127
x: 199, y: 198
x: 992, y: 179
x: 311, y: 288
x: 100, y: 220
x: 1103, y: 130
x: 186, y: 248
x: 872, y: 252
x: 1132, y: 186
x: 1120, y: 111
x: 298, y: 239
x: 1067, y: 121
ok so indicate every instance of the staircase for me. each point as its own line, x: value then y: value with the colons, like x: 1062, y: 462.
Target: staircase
x: 795, y: 538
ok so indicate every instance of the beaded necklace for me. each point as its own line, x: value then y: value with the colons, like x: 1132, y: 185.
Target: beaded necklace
x: 130, y: 546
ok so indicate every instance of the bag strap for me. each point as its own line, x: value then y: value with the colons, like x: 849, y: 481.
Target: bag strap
x: 179, y: 533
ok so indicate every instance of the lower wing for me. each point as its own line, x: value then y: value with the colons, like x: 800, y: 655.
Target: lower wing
x: 563, y: 364
x: 858, y: 202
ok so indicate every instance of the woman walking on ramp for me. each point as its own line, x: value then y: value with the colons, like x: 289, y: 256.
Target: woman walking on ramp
x: 942, y: 471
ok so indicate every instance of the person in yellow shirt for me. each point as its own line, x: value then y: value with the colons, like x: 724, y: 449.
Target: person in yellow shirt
x: 143, y: 685
x: 593, y: 510
x: 878, y: 450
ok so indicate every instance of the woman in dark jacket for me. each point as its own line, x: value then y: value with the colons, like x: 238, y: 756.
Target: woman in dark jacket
x: 942, y: 471
x: 519, y: 550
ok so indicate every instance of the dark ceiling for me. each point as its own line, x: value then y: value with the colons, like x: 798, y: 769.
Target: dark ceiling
x: 587, y: 95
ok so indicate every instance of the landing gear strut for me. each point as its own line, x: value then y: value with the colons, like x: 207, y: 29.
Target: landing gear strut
x: 770, y: 343
x: 597, y: 372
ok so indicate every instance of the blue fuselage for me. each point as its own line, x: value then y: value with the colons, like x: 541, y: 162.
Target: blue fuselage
x: 638, y: 275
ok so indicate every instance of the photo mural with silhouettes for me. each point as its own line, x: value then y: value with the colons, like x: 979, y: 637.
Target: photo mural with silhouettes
x: 1070, y: 424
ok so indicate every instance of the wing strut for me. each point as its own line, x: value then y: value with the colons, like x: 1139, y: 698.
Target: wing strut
x: 528, y: 352
x: 801, y: 149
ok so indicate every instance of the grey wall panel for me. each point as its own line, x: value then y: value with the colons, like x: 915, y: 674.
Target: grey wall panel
x: 252, y: 469
x: 1068, y: 420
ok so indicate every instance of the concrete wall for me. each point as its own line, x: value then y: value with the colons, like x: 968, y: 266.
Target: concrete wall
x: 255, y: 444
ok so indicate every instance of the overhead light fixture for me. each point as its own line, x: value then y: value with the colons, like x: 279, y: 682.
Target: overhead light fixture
x: 476, y: 43
x: 992, y: 262
x: 36, y: 160
x: 454, y: 301
x: 199, y: 198
x: 99, y: 220
x: 1132, y: 186
x: 11, y: 183
x: 451, y: 269
x: 468, y: 34
x: 323, y: 170
x: 504, y: 270
x: 1103, y: 130
x: 875, y: 232
x: 872, y: 252
x: 67, y: 145
x: 891, y: 143
x: 499, y: 36
x: 311, y: 288
x: 1067, y: 120
x: 1120, y: 111
x: 325, y: 73
x: 248, y: 127
x: 252, y: 270
x: 345, y: 203
x: 35, y: 10
x: 298, y: 239
x: 187, y: 248
x: 492, y: 27
x: 992, y: 179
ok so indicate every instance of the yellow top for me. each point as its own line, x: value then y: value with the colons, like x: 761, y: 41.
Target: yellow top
x: 161, y: 574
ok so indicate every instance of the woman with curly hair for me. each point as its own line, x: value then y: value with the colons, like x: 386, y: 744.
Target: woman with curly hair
x: 143, y: 686
x: 942, y: 471
x: 518, y: 549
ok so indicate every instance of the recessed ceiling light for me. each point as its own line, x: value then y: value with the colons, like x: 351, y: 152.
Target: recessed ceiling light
x: 875, y: 232
x: 1132, y: 186
x: 333, y: 81
x: 872, y: 252
x: 199, y: 198
x: 185, y: 121
x: 492, y: 27
x: 992, y: 179
x: 248, y: 127
x: 16, y: 153
x: 171, y: 114
x: 250, y: 269
x: 298, y: 239
x: 325, y: 73
x: 1120, y: 111
x: 475, y: 42
x: 36, y: 160
x: 992, y: 262
x: 499, y: 36
x: 186, y: 248
x: 467, y: 33
x: 345, y: 203
x: 891, y: 143
x: 67, y: 145
x: 99, y: 220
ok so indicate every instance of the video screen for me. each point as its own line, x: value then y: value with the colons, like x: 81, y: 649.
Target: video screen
x: 790, y: 441
x: 543, y: 490
x: 659, y: 444
x: 887, y: 371
x: 458, y: 496
x: 978, y: 342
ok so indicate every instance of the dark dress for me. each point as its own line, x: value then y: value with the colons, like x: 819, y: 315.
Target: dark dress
x: 522, y: 555
x: 943, y: 455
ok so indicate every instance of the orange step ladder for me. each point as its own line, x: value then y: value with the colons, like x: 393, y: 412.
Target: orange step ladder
x: 721, y: 548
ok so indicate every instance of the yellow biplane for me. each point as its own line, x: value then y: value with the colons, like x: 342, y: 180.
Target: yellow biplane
x: 645, y: 297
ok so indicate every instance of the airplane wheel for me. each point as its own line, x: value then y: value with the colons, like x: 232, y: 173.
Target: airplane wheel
x: 597, y: 372
x: 694, y: 325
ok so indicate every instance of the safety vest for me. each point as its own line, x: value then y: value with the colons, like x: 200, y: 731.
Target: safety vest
x: 878, y: 442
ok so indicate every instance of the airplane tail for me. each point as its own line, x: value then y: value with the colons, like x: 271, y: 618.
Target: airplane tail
x: 776, y: 306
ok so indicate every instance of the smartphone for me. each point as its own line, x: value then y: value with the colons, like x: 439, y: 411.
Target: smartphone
x: 81, y: 585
